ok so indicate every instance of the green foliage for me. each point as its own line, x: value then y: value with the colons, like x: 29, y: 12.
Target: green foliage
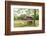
x: 21, y: 17
x: 14, y: 18
x: 28, y: 12
x: 36, y: 17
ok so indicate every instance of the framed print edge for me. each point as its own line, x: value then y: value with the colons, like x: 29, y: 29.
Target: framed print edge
x: 8, y: 17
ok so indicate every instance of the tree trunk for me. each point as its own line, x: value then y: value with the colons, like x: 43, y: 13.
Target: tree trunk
x: 34, y: 15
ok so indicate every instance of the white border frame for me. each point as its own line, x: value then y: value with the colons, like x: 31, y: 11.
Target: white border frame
x: 26, y: 28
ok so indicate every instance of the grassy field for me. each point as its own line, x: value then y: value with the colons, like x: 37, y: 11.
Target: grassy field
x: 23, y: 23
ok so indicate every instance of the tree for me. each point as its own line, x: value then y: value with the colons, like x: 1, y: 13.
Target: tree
x: 28, y: 12
x: 34, y: 15
x: 22, y: 16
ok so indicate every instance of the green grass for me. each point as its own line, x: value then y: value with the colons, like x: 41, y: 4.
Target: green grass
x: 23, y: 23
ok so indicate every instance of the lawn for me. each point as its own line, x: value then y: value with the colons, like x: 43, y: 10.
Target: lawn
x: 24, y: 23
